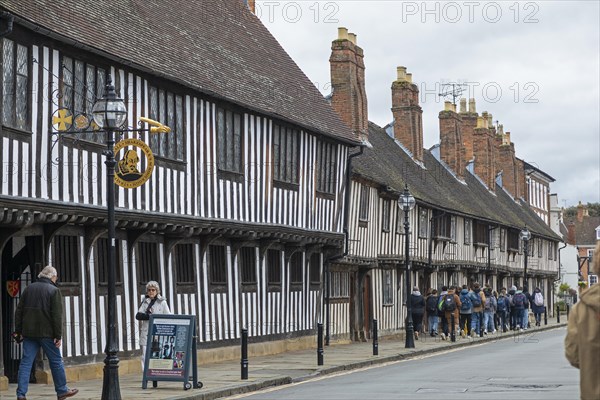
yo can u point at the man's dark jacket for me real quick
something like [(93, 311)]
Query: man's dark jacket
[(39, 312)]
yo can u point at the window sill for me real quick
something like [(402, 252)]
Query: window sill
[(325, 195), (479, 244), (16, 133), (230, 176)]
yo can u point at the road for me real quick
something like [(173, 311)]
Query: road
[(523, 367)]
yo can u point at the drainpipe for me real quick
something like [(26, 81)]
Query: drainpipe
[(346, 240), (489, 257), (5, 15), (559, 263)]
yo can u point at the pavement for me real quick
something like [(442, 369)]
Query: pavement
[(223, 379)]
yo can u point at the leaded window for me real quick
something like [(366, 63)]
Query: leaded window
[(385, 215), (15, 85), (326, 167), (81, 84), (502, 239), (423, 222), (480, 232), (363, 212), (388, 292), (167, 108), (286, 151), (229, 140), (468, 231), (339, 285)]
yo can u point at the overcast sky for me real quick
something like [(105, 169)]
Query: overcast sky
[(534, 65)]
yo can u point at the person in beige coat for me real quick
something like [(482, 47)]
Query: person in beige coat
[(582, 343)]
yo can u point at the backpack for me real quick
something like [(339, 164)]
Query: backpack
[(502, 303), (440, 305), (476, 300), (466, 303), (432, 304), (449, 303), (538, 299), (519, 300), (488, 303)]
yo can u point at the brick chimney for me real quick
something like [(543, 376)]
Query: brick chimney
[(571, 233), (582, 211), (483, 152), (468, 125), (251, 5), (506, 162), (408, 122), (349, 98), (452, 150)]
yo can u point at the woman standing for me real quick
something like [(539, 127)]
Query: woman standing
[(154, 303), (417, 303)]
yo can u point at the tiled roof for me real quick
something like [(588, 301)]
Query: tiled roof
[(585, 231), (217, 47), (387, 164)]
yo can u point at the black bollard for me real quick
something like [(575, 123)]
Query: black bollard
[(558, 313), (545, 315), (319, 344), (244, 361), (453, 330), (375, 339), (567, 312)]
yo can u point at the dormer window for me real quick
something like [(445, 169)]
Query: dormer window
[(598, 233)]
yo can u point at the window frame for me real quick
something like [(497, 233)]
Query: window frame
[(386, 209), (148, 263), (286, 155), (364, 201), (387, 287), (17, 92), (423, 222), (168, 108), (247, 264), (101, 260), (274, 269), (468, 233), (216, 258), (314, 270), (326, 169), (230, 141), (185, 275), (296, 271), (66, 258)]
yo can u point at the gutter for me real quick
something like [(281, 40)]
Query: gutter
[(346, 242)]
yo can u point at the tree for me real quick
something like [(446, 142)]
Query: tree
[(593, 209)]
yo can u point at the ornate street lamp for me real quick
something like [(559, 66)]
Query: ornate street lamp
[(110, 114), (407, 202), (525, 235)]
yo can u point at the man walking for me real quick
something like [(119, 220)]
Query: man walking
[(38, 323)]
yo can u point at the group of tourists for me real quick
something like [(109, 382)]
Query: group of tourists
[(475, 311)]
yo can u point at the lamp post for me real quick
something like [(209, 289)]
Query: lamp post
[(109, 113), (525, 235), (407, 202)]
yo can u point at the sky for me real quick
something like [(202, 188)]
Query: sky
[(534, 65)]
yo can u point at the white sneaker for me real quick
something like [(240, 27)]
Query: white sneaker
[(443, 336), (494, 332)]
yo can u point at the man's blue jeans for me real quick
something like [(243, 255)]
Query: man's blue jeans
[(31, 347), (476, 322)]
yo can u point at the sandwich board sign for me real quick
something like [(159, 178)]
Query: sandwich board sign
[(171, 350)]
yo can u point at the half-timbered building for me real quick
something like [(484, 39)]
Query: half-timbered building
[(246, 200), (470, 205)]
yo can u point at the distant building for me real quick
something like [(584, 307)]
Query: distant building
[(583, 232)]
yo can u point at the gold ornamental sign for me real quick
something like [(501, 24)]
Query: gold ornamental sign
[(127, 172)]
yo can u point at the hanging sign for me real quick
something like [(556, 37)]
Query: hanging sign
[(127, 171), (13, 288)]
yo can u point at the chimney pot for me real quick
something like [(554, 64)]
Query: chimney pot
[(352, 37), (490, 120), (448, 106), (342, 33), (481, 122), (409, 77), (472, 106), (463, 105), (506, 138), (401, 73)]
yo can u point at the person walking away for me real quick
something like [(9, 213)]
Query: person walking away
[(582, 343), (537, 305), (502, 309), (432, 310), (451, 306), (488, 312), (466, 308), (441, 313), (528, 301), (518, 305), (511, 310), (418, 309), (478, 300), (153, 303), (38, 323)]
